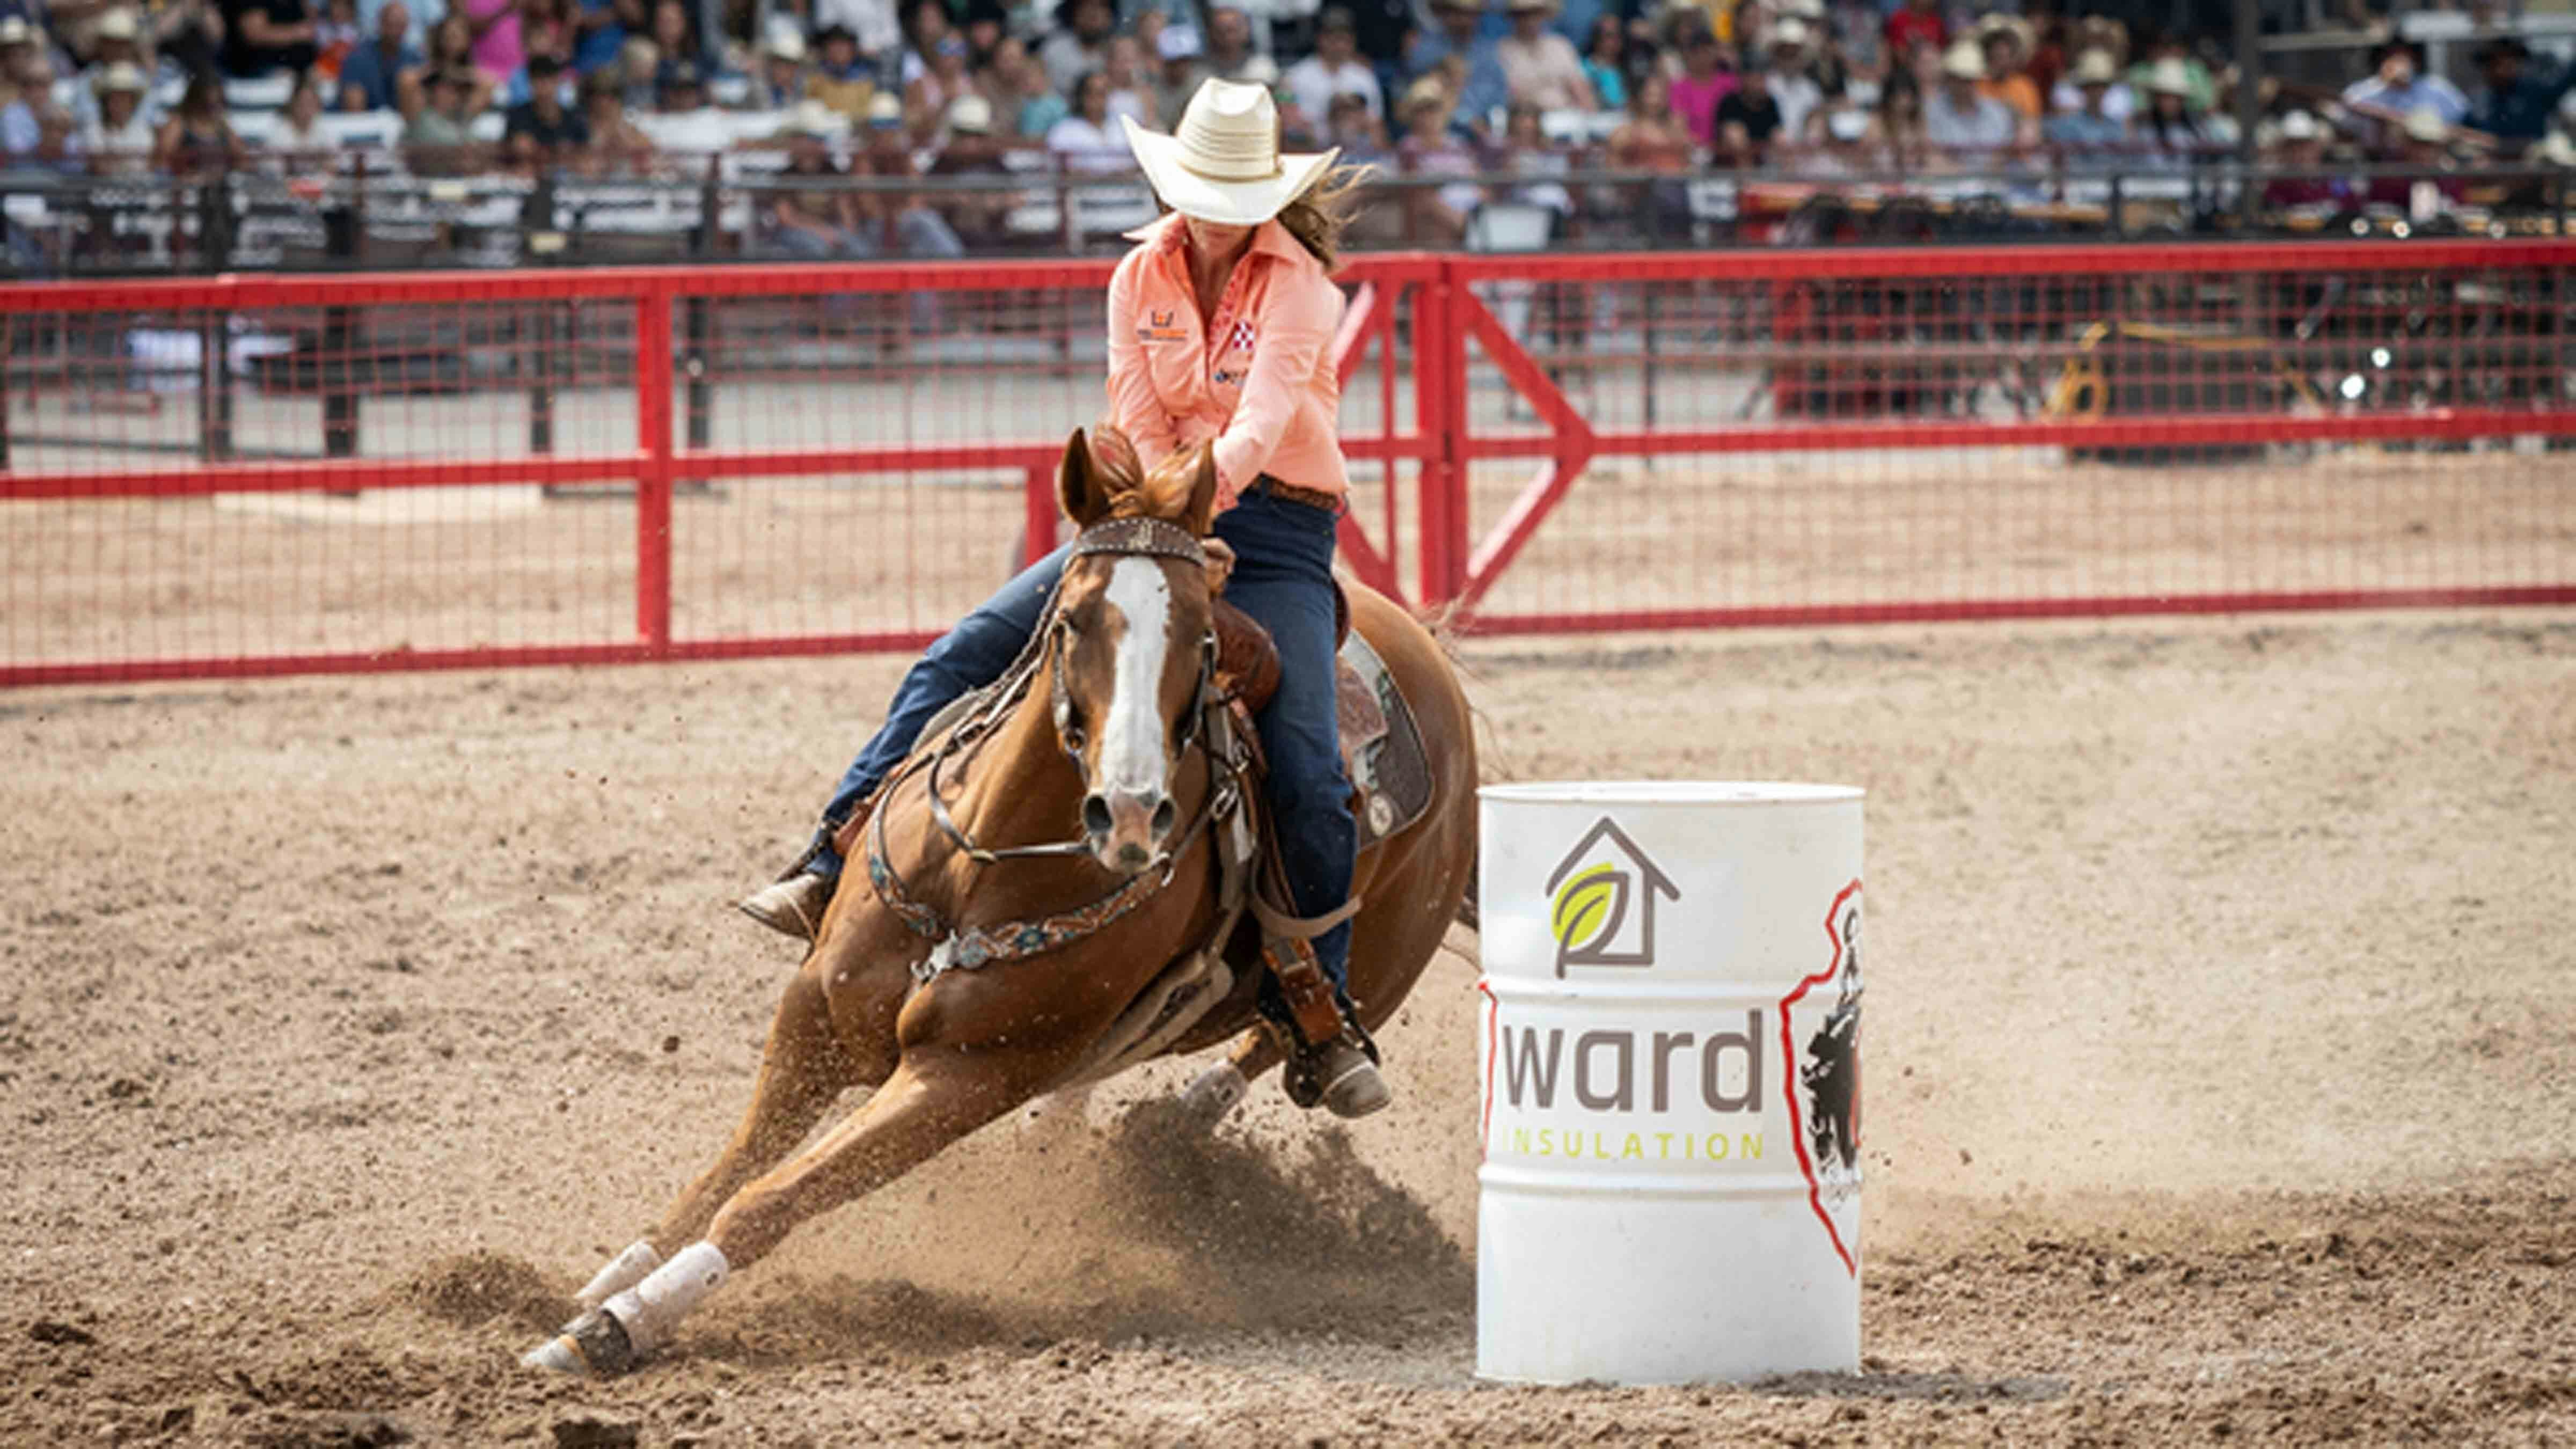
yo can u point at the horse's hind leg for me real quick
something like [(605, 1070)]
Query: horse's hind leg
[(802, 1070)]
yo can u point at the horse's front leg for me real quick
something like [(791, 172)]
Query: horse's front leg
[(934, 1098), (809, 1061)]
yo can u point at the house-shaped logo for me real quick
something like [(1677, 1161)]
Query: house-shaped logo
[(1596, 912)]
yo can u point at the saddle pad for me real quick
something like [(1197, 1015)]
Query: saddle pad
[(1381, 745)]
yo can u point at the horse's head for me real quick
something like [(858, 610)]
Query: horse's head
[(1132, 641)]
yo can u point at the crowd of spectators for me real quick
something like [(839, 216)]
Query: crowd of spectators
[(1490, 99)]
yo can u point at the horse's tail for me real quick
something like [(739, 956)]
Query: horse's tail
[(1446, 630)]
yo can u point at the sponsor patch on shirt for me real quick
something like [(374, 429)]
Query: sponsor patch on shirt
[(1240, 339), (1162, 327)]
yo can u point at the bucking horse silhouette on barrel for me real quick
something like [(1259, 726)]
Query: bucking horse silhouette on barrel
[(961, 980)]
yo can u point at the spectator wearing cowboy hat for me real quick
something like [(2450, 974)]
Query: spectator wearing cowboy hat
[(978, 218), (2302, 147), (2004, 41), (1785, 62), (116, 39), (1960, 121), (2423, 140), (806, 217), (119, 139), (2397, 88), (2088, 125), (2167, 129), (1334, 70), (2111, 39), (2517, 100), (18, 53), (1540, 67), (1431, 147), (779, 84)]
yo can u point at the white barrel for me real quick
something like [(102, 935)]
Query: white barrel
[(1670, 1053)]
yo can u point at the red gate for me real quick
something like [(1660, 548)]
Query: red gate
[(262, 474)]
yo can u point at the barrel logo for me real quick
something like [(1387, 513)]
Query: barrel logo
[(1601, 900), (1823, 1080)]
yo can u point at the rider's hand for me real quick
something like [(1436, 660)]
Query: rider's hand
[(1220, 563)]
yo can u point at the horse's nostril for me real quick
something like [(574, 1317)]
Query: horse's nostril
[(1095, 814), (1163, 816)]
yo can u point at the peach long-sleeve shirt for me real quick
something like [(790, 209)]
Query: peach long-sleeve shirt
[(1258, 378)]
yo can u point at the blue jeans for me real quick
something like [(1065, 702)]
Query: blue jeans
[(1283, 577)]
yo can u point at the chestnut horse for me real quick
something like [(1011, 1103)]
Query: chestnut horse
[(959, 982)]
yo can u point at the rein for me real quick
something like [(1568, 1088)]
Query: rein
[(973, 946)]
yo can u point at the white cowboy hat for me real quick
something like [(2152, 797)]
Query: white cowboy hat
[(815, 119), (970, 115), (2427, 126), (2300, 126), (2169, 77), (1964, 61), (1222, 163), (2556, 149), (2096, 68)]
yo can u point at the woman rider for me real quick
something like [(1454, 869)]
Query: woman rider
[(1220, 328)]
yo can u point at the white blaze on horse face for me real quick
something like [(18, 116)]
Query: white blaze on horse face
[(1131, 747)]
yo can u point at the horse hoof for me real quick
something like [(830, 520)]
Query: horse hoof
[(1215, 1093), (593, 1346)]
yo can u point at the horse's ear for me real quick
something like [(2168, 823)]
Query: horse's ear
[(1079, 486), (1200, 516)]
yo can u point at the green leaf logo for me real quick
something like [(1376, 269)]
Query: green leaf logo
[(1589, 907)]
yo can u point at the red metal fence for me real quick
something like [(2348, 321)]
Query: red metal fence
[(261, 474)]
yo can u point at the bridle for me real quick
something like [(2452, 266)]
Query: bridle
[(970, 947)]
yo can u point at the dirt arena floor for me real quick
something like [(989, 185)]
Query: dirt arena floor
[(2222, 1074)]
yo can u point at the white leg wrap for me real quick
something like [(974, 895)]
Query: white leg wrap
[(623, 1272), (649, 1310), (1215, 1093)]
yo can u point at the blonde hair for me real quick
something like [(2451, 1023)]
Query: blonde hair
[(1320, 212)]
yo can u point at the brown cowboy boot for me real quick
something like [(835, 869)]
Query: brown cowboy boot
[(793, 904)]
